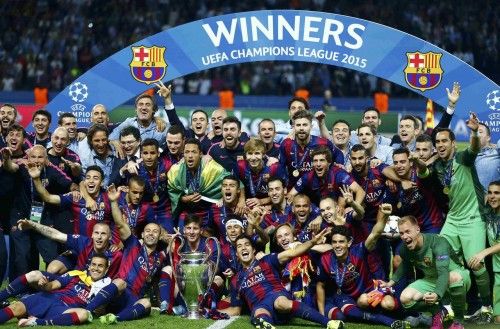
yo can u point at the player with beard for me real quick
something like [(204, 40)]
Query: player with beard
[(346, 265), (14, 137), (217, 122), (63, 300), (267, 133), (442, 271), (141, 261), (98, 115), (41, 122), (281, 212), (8, 115), (193, 242), (153, 170), (464, 227), (373, 181), (304, 212), (493, 229), (366, 135), (285, 129), (418, 201), (230, 150), (259, 286), (295, 153), (325, 180), (135, 212), (254, 173)]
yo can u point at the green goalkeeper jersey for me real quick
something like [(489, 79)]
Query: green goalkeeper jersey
[(459, 178), (435, 259)]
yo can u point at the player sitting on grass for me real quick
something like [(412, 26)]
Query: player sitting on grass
[(63, 300), (259, 285)]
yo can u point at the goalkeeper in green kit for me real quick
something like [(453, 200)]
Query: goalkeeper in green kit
[(431, 254), (464, 228)]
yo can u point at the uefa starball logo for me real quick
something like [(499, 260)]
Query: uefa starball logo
[(493, 100), (78, 92)]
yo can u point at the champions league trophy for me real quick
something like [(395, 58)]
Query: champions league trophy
[(194, 274)]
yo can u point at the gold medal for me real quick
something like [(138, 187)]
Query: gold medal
[(339, 291), (101, 206), (399, 205), (296, 173), (156, 198), (446, 190)]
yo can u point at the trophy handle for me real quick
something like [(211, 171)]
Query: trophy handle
[(171, 250), (217, 244)]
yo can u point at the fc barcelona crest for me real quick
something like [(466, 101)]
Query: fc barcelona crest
[(423, 70), (148, 64)]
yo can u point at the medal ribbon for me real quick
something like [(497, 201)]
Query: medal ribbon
[(401, 196), (149, 269), (132, 220), (194, 182), (249, 177), (339, 279), (446, 181), (298, 164)]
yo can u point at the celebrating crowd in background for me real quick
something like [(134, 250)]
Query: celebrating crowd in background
[(51, 43)]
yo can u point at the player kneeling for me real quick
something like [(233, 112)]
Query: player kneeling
[(432, 254)]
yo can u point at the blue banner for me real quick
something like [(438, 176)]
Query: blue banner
[(285, 35)]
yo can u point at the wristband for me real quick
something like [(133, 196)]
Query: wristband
[(169, 107)]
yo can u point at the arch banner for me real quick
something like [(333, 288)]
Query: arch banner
[(284, 35)]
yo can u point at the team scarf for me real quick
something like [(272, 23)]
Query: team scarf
[(211, 177)]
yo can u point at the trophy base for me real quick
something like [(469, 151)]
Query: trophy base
[(193, 315)]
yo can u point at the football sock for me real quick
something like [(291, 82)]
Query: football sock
[(305, 312), (17, 286), (133, 312)]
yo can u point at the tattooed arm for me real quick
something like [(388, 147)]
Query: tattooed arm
[(44, 230)]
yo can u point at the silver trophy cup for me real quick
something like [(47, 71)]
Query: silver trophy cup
[(194, 274)]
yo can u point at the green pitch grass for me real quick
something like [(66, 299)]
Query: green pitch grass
[(155, 320)]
